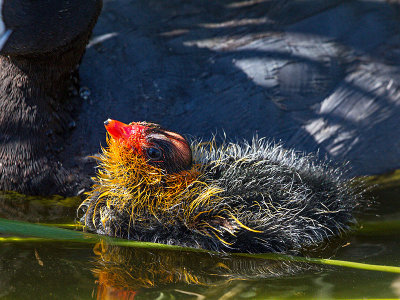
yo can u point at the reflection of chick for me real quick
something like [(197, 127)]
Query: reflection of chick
[(129, 267), (126, 269), (253, 197)]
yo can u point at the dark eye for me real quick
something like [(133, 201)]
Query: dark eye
[(154, 153)]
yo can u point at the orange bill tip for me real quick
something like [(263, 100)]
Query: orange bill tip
[(117, 130)]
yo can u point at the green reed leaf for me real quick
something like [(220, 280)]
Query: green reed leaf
[(42, 233)]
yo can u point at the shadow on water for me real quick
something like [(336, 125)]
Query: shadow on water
[(314, 74)]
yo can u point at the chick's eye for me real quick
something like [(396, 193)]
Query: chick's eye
[(154, 153)]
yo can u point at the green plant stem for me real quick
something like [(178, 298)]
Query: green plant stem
[(36, 232)]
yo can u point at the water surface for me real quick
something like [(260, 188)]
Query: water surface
[(42, 269)]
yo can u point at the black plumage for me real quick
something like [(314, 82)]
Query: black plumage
[(246, 197)]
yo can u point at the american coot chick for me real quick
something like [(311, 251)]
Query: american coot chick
[(252, 197)]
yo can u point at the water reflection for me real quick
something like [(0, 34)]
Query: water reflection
[(68, 270), (15, 206), (123, 272)]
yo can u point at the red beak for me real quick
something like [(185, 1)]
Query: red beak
[(118, 130)]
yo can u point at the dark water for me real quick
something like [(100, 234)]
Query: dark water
[(32, 269)]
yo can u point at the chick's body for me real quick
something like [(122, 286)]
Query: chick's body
[(249, 197)]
